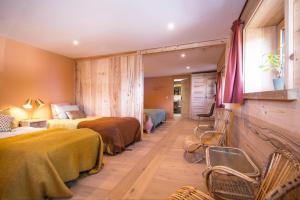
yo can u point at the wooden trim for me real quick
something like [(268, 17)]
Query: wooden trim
[(160, 49), (185, 46), (221, 63), (107, 55), (205, 72), (277, 95), (289, 43), (279, 27)]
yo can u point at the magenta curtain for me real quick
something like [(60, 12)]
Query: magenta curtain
[(234, 76), (219, 103)]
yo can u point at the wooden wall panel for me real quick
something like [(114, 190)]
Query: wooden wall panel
[(221, 63), (203, 90), (261, 126), (110, 86), (259, 134), (297, 43)]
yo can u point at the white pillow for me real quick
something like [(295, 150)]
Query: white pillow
[(61, 110)]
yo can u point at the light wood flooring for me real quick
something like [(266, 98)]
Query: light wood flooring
[(148, 170)]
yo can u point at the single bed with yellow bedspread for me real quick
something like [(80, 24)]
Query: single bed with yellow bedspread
[(37, 165)]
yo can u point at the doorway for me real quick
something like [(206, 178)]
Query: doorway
[(177, 98), (181, 97)]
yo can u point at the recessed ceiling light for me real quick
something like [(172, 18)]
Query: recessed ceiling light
[(188, 67), (171, 26), (182, 55), (75, 42)]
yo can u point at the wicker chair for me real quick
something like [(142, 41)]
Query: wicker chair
[(280, 181), (205, 136)]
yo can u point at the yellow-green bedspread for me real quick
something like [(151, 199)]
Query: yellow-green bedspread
[(36, 165)]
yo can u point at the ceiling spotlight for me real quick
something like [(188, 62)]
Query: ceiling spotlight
[(171, 26), (182, 55), (75, 42), (188, 67)]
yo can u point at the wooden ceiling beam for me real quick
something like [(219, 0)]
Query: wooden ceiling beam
[(185, 46)]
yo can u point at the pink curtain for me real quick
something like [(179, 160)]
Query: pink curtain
[(219, 103), (234, 76)]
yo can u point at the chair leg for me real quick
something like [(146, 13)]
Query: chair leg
[(199, 121), (195, 156)]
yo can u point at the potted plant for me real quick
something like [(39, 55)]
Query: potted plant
[(272, 64)]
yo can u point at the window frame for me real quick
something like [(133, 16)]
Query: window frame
[(288, 56)]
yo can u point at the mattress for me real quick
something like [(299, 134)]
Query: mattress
[(67, 123), (19, 131)]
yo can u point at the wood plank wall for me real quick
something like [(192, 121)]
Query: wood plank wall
[(297, 42), (110, 86), (262, 126)]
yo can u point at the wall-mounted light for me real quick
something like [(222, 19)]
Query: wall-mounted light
[(39, 103), (28, 104)]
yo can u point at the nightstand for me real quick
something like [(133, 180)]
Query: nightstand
[(36, 123)]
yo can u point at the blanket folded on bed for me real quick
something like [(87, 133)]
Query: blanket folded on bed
[(116, 132), (36, 165)]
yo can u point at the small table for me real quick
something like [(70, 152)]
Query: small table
[(224, 183), (36, 123), (233, 158)]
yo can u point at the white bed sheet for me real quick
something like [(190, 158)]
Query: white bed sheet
[(19, 131)]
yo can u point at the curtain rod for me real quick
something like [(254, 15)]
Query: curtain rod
[(243, 9)]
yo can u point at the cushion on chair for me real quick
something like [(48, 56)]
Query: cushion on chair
[(211, 139), (191, 143)]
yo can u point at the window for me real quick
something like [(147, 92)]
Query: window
[(265, 47)]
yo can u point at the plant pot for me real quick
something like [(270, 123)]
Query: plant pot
[(278, 83)]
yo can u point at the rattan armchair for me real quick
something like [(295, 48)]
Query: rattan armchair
[(205, 136), (280, 181)]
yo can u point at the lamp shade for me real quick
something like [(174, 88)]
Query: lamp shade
[(39, 103), (28, 104)]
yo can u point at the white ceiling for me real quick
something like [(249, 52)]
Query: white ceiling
[(110, 26), (171, 63)]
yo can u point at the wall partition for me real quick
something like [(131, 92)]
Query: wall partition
[(110, 86)]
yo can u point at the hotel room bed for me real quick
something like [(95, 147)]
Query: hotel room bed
[(36, 165), (152, 118), (116, 132)]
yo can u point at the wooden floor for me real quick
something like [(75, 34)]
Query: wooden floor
[(148, 170)]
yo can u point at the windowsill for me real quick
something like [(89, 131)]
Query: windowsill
[(276, 95)]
